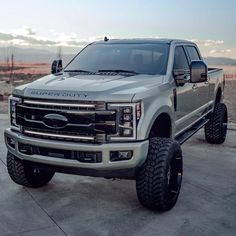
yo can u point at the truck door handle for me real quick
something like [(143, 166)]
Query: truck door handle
[(194, 87)]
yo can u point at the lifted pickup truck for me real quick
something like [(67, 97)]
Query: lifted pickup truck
[(119, 109)]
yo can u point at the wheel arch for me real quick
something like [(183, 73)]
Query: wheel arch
[(161, 111), (218, 97), (161, 126)]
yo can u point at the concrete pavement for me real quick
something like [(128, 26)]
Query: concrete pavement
[(76, 205)]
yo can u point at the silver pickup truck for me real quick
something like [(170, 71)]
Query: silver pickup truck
[(119, 109)]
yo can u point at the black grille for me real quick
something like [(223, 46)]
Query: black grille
[(88, 122)]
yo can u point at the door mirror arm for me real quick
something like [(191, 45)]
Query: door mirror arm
[(181, 77), (56, 66)]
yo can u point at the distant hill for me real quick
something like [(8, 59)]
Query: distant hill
[(34, 55), (220, 61)]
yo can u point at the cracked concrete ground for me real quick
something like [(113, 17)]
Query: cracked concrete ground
[(76, 205)]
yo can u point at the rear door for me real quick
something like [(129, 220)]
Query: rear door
[(202, 89)]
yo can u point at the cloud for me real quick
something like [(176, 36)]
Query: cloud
[(229, 52), (24, 30), (215, 48), (6, 37), (207, 42), (12, 39), (222, 51), (19, 42), (26, 36)]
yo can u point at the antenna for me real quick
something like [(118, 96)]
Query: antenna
[(106, 39)]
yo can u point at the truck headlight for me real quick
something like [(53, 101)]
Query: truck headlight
[(12, 112), (128, 115)]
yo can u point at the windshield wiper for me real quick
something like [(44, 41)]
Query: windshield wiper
[(80, 71), (119, 71)]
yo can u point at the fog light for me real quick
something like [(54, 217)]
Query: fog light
[(120, 155), (11, 142), (89, 157), (25, 148)]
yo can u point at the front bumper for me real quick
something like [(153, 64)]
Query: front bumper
[(119, 169)]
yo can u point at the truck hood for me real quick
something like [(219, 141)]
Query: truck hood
[(117, 88)]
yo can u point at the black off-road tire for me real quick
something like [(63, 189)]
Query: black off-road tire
[(159, 180), (23, 173), (216, 128)]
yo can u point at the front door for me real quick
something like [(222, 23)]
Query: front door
[(186, 94)]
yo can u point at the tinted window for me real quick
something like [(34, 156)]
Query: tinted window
[(141, 58), (180, 60), (193, 53)]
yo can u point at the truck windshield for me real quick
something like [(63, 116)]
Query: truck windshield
[(122, 58)]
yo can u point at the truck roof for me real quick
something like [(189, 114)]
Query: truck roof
[(144, 40)]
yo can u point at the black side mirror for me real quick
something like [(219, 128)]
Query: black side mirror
[(181, 76), (198, 72), (56, 66)]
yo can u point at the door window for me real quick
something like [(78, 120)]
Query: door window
[(180, 60), (193, 53)]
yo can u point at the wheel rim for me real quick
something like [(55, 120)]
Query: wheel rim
[(174, 177), (36, 172), (33, 172)]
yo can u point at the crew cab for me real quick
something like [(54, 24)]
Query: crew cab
[(119, 109)]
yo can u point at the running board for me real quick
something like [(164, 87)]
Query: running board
[(183, 137)]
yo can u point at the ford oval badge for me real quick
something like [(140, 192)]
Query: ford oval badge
[(55, 121)]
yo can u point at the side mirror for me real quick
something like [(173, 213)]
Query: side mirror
[(181, 76), (198, 72), (56, 66)]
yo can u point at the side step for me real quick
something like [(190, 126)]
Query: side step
[(183, 137)]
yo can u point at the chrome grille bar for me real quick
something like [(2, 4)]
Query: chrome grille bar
[(59, 135), (59, 104), (70, 111)]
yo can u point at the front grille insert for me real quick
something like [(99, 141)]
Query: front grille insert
[(82, 122), (81, 156)]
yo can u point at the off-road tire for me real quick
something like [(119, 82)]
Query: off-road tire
[(216, 128), (23, 173), (159, 180)]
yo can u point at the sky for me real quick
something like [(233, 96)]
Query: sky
[(71, 24)]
